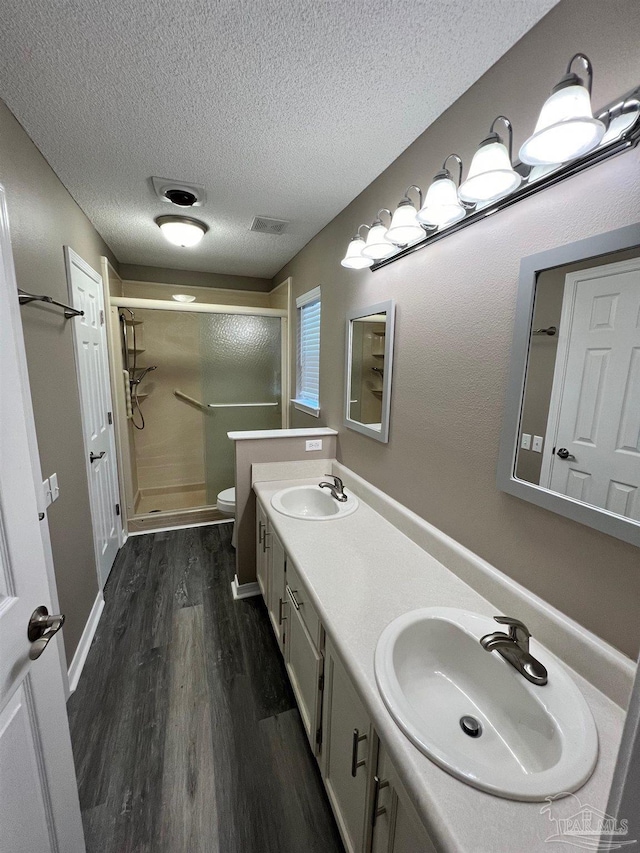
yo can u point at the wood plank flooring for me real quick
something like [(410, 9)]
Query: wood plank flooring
[(185, 732)]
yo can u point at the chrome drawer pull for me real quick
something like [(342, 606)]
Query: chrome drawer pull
[(357, 739)]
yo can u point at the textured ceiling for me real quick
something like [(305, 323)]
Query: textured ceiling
[(283, 108)]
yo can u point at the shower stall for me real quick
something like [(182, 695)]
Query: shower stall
[(188, 375)]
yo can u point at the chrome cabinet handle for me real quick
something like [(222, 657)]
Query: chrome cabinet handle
[(292, 595), (357, 739), (93, 456), (563, 453), (281, 616), (265, 547), (260, 532), (41, 629), (378, 811)]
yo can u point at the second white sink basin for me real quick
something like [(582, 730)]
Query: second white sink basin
[(535, 741), (312, 503)]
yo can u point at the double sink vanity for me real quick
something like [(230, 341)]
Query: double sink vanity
[(400, 673)]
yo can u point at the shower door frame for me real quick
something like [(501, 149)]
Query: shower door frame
[(134, 303)]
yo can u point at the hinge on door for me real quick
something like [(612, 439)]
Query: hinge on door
[(117, 509), (102, 318), (110, 417), (319, 738), (321, 683)]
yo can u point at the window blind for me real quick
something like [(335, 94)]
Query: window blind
[(308, 377)]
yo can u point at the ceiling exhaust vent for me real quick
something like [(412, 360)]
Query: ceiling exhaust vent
[(266, 225), (179, 193)]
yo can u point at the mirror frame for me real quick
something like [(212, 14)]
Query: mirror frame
[(389, 308), (600, 519)]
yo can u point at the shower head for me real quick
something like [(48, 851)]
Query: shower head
[(138, 379)]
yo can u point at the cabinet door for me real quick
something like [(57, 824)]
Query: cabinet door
[(276, 601), (304, 666), (262, 552), (347, 751), (396, 826)]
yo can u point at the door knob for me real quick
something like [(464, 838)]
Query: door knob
[(563, 453), (93, 456), (41, 628)]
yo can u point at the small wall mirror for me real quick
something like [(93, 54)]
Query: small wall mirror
[(571, 436), (369, 365)]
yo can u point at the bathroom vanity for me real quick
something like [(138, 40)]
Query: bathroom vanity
[(331, 587)]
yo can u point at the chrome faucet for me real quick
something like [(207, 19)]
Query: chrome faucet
[(336, 488), (514, 648)]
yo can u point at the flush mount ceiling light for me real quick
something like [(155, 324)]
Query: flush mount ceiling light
[(183, 297), (377, 245), (442, 206), (494, 183), (566, 128), (181, 230), (491, 174), (354, 259), (405, 228)]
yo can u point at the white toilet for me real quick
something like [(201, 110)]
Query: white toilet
[(226, 503)]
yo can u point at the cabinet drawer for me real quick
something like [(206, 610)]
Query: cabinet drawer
[(304, 667), (301, 601)]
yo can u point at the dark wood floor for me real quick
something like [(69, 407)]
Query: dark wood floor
[(185, 732)]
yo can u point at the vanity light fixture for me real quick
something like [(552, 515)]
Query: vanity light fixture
[(183, 297), (181, 230), (354, 259), (442, 206), (566, 128), (405, 227), (494, 183), (377, 245), (491, 174)]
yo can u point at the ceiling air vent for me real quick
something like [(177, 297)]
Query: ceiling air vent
[(178, 192), (266, 225)]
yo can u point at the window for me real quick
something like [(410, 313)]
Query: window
[(308, 357)]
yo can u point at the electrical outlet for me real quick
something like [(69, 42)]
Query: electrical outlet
[(525, 444), (313, 444), (537, 443)]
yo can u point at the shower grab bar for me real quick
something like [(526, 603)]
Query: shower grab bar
[(237, 405), (194, 402), (189, 399)]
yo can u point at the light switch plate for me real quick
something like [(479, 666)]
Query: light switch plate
[(55, 488), (46, 489), (537, 443), (313, 444), (525, 443)]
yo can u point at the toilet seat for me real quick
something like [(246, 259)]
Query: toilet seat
[(226, 501)]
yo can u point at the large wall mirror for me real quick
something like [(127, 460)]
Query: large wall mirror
[(369, 365), (571, 435)]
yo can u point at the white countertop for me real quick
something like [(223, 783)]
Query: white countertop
[(361, 573)]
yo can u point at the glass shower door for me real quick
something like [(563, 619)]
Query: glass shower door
[(241, 386)]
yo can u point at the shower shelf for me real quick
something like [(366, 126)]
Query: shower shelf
[(237, 405)]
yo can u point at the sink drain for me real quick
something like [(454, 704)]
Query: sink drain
[(470, 726)]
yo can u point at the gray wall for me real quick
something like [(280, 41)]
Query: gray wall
[(137, 272), (456, 303), (43, 218)]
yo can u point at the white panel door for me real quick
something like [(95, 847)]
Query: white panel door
[(39, 807), (595, 404), (92, 362)]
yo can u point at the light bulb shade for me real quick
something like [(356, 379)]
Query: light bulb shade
[(441, 206), (491, 175), (181, 231), (354, 259), (377, 246), (183, 297), (565, 130), (405, 228)]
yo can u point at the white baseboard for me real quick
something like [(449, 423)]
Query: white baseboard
[(244, 590), (80, 656)]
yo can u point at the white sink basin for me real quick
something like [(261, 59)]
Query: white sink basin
[(312, 503), (536, 741)]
